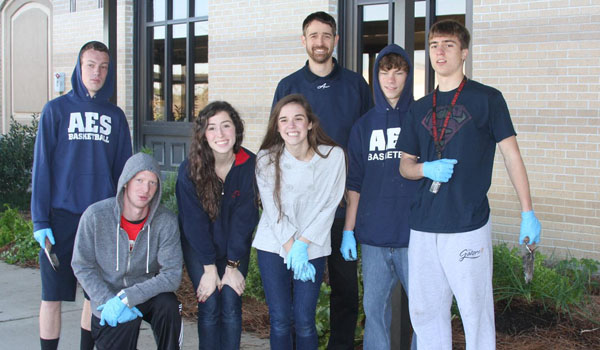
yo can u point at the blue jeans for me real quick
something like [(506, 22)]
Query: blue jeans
[(292, 303), (220, 316), (382, 268)]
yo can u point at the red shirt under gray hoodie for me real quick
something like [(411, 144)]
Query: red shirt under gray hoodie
[(102, 261)]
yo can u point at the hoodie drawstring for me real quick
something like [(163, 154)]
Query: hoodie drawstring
[(148, 250), (117, 247)]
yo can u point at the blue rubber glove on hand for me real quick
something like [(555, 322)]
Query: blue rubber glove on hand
[(439, 170), (297, 255), (305, 273), (348, 247), (40, 236), (111, 311), (129, 315), (530, 227)]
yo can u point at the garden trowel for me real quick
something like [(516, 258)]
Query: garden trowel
[(528, 261), (51, 256)]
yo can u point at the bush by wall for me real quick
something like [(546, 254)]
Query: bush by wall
[(16, 161), (16, 238), (561, 287)]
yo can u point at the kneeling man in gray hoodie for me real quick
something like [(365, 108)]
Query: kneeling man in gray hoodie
[(127, 256)]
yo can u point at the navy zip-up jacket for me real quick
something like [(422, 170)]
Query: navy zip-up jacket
[(338, 99), (81, 147), (385, 196), (229, 236)]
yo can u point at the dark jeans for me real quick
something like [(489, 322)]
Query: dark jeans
[(343, 304), (220, 316), (292, 303), (163, 312)]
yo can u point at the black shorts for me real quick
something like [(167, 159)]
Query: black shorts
[(60, 285)]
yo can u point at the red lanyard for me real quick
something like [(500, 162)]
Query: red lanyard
[(438, 140)]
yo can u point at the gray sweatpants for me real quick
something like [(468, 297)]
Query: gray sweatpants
[(441, 265)]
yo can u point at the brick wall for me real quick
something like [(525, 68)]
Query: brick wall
[(252, 45), (70, 31), (125, 88), (544, 57)]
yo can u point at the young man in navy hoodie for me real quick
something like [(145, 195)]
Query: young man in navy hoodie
[(82, 143), (449, 140), (378, 196), (338, 97)]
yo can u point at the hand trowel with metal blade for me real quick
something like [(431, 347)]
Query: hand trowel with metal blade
[(51, 256), (528, 261)]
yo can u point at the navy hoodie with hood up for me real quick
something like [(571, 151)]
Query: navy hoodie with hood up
[(373, 170), (81, 147)]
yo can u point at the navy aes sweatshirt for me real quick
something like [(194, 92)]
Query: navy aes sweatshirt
[(81, 147), (374, 161)]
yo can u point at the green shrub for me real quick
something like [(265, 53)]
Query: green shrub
[(254, 286), (16, 161), (562, 288), (17, 233), (169, 198), (146, 150), (322, 316)]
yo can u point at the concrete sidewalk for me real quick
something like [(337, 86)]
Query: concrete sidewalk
[(20, 290)]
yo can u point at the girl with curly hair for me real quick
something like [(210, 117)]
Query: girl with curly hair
[(216, 198)]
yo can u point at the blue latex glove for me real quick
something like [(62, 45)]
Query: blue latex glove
[(297, 256), (40, 236), (348, 247), (111, 311), (530, 227), (305, 273), (129, 315), (439, 170)]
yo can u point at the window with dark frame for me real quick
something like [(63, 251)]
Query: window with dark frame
[(73, 6), (374, 23), (177, 50)]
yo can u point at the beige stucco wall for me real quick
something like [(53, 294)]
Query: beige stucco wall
[(543, 56), (25, 26)]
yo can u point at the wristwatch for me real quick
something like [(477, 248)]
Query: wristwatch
[(123, 297), (233, 264)]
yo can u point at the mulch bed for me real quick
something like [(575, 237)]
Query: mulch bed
[(529, 327), (521, 327)]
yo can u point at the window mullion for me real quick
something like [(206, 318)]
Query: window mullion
[(430, 19), (189, 75), (168, 82)]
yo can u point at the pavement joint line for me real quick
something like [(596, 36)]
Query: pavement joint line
[(19, 319)]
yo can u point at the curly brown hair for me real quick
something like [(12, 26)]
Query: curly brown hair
[(202, 160)]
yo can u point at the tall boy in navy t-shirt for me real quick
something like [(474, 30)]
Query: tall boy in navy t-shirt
[(450, 138)]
